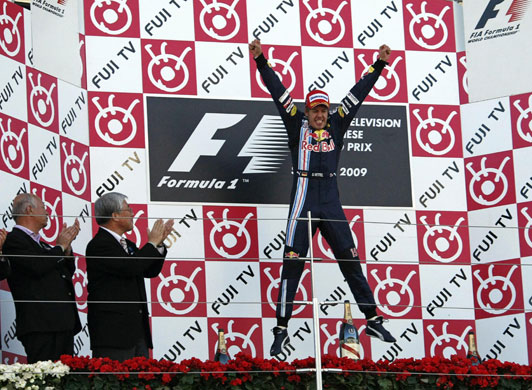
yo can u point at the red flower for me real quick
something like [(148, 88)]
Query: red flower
[(294, 378), (450, 372)]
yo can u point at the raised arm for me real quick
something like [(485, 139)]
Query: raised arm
[(280, 95), (255, 48), (353, 100), (384, 53)]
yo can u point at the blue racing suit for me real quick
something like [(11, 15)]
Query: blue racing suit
[(315, 154)]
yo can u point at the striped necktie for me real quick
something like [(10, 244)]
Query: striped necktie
[(44, 245), (123, 242)]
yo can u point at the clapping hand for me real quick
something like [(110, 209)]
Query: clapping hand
[(159, 231), (67, 235), (3, 235)]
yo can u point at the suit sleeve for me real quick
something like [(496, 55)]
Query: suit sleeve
[(106, 257), (290, 115), (70, 265), (34, 263), (5, 267), (351, 103), (156, 265)]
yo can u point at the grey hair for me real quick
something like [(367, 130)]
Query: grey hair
[(21, 203), (106, 205)]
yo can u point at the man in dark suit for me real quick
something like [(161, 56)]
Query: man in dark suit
[(118, 320), (41, 282)]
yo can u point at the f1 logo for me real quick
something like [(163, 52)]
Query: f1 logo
[(516, 11), (489, 13), (201, 143)]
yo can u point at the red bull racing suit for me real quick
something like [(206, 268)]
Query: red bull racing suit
[(315, 154)]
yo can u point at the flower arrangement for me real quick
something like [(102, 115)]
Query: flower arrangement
[(41, 375), (245, 372)]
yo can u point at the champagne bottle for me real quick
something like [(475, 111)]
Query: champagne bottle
[(221, 351), (472, 352), (349, 342)]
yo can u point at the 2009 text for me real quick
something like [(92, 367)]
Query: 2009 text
[(353, 172)]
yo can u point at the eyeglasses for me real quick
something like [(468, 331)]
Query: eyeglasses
[(127, 209)]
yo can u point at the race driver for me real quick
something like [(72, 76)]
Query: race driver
[(315, 139)]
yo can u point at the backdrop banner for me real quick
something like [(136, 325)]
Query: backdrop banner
[(56, 46), (497, 36)]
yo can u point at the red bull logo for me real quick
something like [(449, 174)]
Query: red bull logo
[(322, 146), (291, 255), (320, 135)]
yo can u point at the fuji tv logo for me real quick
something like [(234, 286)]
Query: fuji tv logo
[(10, 36), (219, 20), (282, 67), (325, 25), (111, 17)]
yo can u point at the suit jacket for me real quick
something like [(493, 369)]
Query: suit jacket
[(116, 276), (5, 267), (41, 279)]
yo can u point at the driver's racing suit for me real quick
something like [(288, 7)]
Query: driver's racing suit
[(315, 154)]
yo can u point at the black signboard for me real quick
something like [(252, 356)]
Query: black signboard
[(234, 151)]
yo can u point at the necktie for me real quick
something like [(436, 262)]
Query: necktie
[(44, 245), (124, 244)]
